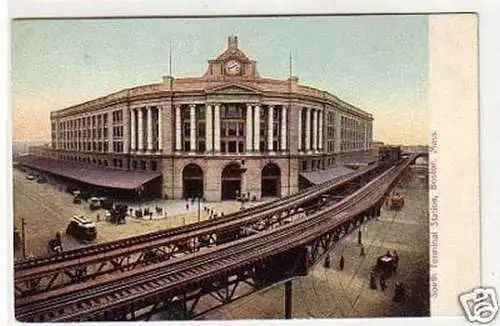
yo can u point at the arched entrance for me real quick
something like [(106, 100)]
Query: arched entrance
[(192, 181), (271, 181), (231, 181)]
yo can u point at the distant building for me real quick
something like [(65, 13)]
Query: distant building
[(376, 145), (227, 132)]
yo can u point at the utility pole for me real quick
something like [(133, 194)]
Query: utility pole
[(23, 224)]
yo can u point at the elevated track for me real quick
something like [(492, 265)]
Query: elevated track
[(257, 260), (47, 273)]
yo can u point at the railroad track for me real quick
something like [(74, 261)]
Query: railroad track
[(80, 300), (49, 265)]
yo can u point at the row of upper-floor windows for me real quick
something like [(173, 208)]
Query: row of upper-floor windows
[(232, 111), (97, 120), (114, 162), (229, 146), (94, 146), (228, 129), (353, 145), (308, 165)]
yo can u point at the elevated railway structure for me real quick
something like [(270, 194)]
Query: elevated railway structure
[(258, 261), (75, 266)]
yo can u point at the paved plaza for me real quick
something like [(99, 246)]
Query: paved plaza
[(47, 209)]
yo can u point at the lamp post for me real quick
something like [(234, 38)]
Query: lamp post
[(199, 208), (242, 194)]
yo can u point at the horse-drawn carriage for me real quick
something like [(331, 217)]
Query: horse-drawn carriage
[(397, 202)]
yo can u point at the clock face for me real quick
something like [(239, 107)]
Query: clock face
[(233, 67)]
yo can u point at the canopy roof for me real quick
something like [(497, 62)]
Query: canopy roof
[(318, 177), (98, 176)]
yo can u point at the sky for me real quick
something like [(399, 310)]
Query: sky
[(377, 63)]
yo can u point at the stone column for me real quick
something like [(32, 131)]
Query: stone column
[(178, 129), (315, 131), (337, 134), (299, 130), (270, 122), (160, 128), (140, 139), (256, 129), (132, 130), (110, 132), (308, 130), (320, 130), (217, 128), (192, 127), (126, 130), (150, 128), (248, 129), (208, 128), (283, 128)]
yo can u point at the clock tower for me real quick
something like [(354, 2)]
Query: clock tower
[(231, 64)]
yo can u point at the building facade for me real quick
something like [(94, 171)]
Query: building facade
[(227, 132)]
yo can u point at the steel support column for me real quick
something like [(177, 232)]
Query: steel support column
[(288, 300)]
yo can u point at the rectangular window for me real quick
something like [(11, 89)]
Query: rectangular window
[(187, 129), (304, 165), (223, 146), (201, 129), (185, 114), (143, 165), (240, 147), (201, 146), (186, 145), (232, 129), (232, 147), (241, 129), (154, 165)]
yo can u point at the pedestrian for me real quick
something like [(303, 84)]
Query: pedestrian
[(396, 258), (383, 285), (341, 263), (362, 251), (98, 217), (399, 292), (359, 236), (327, 261), (373, 282), (187, 206)]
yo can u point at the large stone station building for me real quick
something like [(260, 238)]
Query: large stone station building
[(227, 132)]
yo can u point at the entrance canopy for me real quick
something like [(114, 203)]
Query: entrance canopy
[(97, 176), (319, 177)]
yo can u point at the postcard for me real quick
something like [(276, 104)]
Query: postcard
[(246, 167)]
